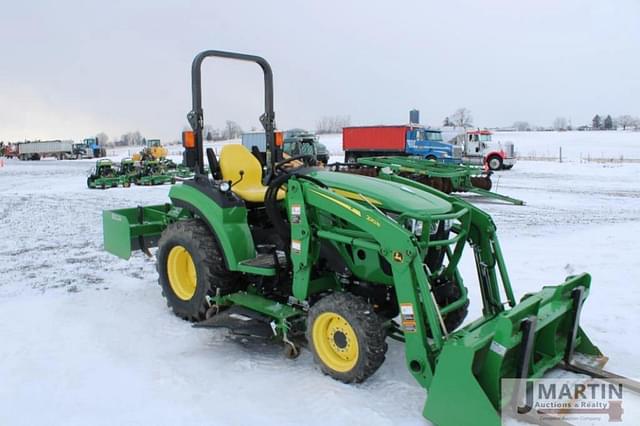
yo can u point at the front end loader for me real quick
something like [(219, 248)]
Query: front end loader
[(341, 262)]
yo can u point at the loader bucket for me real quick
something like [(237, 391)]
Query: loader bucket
[(125, 230), (522, 342)]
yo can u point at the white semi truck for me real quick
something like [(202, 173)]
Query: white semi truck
[(478, 148), (35, 150)]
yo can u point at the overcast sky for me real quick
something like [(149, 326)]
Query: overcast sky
[(72, 69)]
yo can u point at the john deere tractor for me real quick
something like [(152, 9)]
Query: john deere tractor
[(341, 262), (105, 175)]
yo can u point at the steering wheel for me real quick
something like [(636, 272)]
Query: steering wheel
[(309, 157)]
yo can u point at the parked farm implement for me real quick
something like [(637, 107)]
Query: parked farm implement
[(129, 169), (447, 178), (106, 175), (329, 258), (149, 172), (154, 172)]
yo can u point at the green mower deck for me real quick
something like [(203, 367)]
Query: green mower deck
[(104, 175), (154, 172)]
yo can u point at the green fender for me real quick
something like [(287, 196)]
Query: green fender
[(229, 224)]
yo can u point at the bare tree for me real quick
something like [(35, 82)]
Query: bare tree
[(522, 126), (102, 138), (625, 121), (332, 124), (462, 118), (232, 130), (209, 132), (560, 123), (132, 138)]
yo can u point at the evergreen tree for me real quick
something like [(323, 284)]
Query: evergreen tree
[(596, 122), (608, 123)]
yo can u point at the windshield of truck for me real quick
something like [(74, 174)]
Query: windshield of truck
[(307, 148), (290, 148), (433, 136), (484, 138)]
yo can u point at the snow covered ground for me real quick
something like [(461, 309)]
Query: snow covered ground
[(87, 338)]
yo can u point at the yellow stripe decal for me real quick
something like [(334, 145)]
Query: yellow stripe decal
[(341, 204), (355, 196)]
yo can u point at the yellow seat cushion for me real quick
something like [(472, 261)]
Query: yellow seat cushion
[(235, 157)]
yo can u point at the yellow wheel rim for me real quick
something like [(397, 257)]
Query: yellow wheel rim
[(335, 342), (182, 273)]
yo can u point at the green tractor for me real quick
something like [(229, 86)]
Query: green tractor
[(341, 262), (105, 175), (154, 172)]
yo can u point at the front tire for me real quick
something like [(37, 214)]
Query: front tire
[(346, 336), (494, 162), (191, 268)]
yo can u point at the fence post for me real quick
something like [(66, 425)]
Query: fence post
[(561, 154)]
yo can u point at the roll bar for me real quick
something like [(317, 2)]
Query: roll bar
[(196, 115)]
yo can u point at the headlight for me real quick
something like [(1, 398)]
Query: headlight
[(433, 228), (448, 224), (225, 186), (415, 226)]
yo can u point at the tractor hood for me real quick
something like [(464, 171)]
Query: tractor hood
[(383, 194)]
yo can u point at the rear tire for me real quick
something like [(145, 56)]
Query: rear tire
[(431, 157), (346, 337), (191, 268)]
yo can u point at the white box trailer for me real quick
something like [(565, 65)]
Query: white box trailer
[(35, 150)]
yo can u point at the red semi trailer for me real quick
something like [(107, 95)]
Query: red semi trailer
[(374, 141)]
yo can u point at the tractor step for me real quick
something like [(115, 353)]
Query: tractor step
[(262, 264), (261, 261), (240, 321)]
